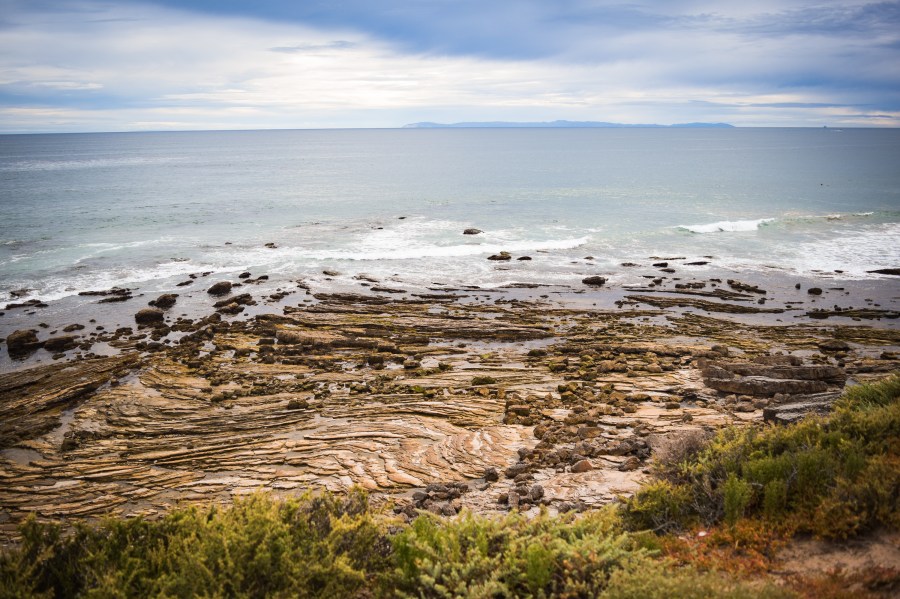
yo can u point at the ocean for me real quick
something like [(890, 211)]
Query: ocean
[(83, 212)]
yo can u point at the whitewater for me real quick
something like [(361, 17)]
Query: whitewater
[(146, 210)]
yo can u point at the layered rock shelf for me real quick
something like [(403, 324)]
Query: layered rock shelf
[(431, 402)]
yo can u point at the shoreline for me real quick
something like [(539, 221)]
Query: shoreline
[(563, 394), (772, 297)]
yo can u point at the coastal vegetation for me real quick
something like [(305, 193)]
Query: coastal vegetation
[(707, 525)]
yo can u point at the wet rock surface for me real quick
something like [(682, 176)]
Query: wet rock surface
[(434, 402)]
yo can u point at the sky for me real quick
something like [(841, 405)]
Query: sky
[(128, 65)]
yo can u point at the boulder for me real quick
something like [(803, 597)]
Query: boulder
[(814, 291), (472, 231), (594, 281), (491, 474), (165, 301), (833, 345), (61, 343), (149, 317), (500, 256), (220, 288), (21, 343)]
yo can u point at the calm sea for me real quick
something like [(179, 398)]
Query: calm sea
[(90, 211)]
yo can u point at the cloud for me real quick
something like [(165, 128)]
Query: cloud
[(84, 65)]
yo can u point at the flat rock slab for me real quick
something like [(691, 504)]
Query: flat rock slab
[(759, 386), (792, 412)]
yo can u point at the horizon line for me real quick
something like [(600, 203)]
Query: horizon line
[(407, 128)]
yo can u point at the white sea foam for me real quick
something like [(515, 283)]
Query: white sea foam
[(853, 252), (727, 226), (386, 252)]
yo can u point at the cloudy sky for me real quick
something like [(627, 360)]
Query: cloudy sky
[(87, 65)]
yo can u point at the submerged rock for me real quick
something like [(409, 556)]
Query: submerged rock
[(594, 281), (886, 271)]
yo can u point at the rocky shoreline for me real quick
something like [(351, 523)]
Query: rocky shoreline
[(438, 399)]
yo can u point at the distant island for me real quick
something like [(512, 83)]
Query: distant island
[(563, 125)]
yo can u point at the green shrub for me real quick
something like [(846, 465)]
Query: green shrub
[(483, 380), (837, 473), (658, 580), (513, 556), (737, 495), (259, 547)]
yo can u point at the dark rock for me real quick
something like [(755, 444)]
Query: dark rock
[(244, 275), (149, 316), (472, 231), (491, 474), (220, 288), (165, 301), (536, 493), (516, 469), (244, 299), (886, 271), (524, 258), (113, 291), (833, 345), (21, 343), (73, 327), (297, 404), (594, 281), (331, 273), (500, 256), (766, 387), (814, 291), (116, 298), (61, 344)]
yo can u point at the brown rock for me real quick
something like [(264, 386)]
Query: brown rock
[(20, 343), (582, 466), (61, 343), (834, 345), (149, 316), (220, 288), (632, 463), (165, 301)]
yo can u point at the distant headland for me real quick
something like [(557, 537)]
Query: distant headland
[(562, 125)]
